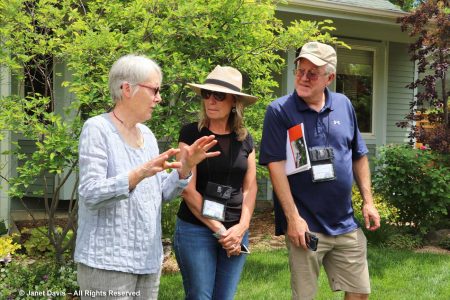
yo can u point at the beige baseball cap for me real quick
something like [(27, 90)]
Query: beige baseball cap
[(318, 53)]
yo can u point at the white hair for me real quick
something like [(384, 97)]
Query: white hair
[(329, 69), (133, 69)]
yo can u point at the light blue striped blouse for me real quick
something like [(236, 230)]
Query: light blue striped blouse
[(118, 229)]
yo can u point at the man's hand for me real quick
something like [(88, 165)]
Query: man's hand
[(370, 213), (296, 231)]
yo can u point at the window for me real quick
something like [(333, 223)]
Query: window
[(354, 78)]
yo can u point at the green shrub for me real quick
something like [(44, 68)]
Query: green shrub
[(415, 182), (169, 217), (388, 215), (7, 246), (38, 243), (401, 241), (20, 276), (445, 243)]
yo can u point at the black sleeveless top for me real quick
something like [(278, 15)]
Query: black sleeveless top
[(229, 168)]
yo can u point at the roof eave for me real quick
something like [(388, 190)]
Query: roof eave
[(343, 9)]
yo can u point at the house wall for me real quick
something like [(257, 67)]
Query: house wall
[(5, 145), (401, 72)]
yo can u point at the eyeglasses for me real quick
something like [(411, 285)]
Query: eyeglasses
[(219, 96), (310, 75), (155, 90)]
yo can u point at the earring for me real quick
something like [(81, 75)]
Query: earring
[(233, 110)]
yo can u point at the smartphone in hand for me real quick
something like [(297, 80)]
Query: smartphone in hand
[(311, 241), (244, 249)]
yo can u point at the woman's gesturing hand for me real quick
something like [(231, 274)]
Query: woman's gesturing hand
[(191, 155)]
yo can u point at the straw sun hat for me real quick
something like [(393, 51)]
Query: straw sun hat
[(225, 80)]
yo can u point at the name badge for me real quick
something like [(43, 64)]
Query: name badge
[(213, 210), (322, 167), (214, 200), (323, 172)]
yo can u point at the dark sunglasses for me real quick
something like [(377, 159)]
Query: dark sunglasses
[(219, 96)]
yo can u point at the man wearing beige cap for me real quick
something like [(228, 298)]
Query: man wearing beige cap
[(313, 207)]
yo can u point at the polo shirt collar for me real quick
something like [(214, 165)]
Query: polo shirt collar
[(301, 105)]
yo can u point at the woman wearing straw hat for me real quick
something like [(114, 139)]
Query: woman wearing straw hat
[(211, 234), (122, 184)]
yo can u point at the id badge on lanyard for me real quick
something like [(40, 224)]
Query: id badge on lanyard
[(322, 166), (215, 200)]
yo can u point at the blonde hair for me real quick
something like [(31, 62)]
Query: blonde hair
[(235, 120)]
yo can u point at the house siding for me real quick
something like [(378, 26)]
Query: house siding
[(5, 145), (401, 72)]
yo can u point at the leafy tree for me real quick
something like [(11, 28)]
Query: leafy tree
[(187, 38), (406, 5), (430, 23)]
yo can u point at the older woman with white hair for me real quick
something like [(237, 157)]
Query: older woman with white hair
[(211, 235), (122, 183)]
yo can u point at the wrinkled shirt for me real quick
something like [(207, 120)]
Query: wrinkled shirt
[(119, 229)]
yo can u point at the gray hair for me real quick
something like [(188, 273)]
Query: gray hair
[(329, 69), (133, 69)]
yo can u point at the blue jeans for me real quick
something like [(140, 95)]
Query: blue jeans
[(207, 271)]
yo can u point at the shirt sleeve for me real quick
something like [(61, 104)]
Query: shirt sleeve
[(95, 189), (273, 142), (172, 185)]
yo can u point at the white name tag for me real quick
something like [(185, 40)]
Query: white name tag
[(323, 172), (213, 210)]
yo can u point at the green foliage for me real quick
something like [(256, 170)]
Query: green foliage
[(21, 277), (169, 217), (404, 241), (415, 182), (388, 216), (83, 38), (445, 243), (386, 210), (7, 246), (38, 242)]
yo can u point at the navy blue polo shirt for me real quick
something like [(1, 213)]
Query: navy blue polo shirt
[(326, 206)]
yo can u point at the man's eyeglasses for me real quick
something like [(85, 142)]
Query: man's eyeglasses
[(310, 75), (155, 90), (219, 96)]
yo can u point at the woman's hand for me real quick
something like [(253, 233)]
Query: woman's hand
[(232, 238), (153, 166), (192, 155)]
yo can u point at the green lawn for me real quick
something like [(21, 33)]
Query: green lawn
[(395, 275)]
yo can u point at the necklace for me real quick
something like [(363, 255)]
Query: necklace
[(139, 140), (117, 117)]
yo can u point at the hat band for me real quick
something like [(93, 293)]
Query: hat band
[(223, 83)]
